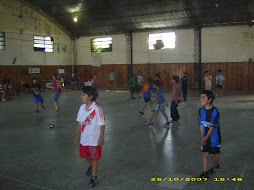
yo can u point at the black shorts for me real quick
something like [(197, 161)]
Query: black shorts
[(219, 86), (132, 89), (211, 150), (147, 99), (138, 88)]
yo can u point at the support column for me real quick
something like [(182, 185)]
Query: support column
[(75, 57), (197, 57), (129, 56)]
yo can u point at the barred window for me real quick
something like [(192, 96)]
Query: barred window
[(162, 40), (42, 43), (101, 44), (2, 41)]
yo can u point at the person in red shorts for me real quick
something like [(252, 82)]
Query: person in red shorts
[(91, 124)]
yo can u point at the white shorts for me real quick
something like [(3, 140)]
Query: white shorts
[(159, 107)]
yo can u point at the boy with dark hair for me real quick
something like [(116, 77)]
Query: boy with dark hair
[(184, 81), (132, 84), (91, 124), (147, 87), (36, 90), (176, 98), (209, 121), (56, 86), (160, 107), (139, 80), (219, 79), (158, 77)]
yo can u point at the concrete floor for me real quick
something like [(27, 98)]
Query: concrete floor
[(34, 157)]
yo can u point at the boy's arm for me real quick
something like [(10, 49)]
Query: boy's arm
[(77, 133), (101, 139), (36, 91), (165, 100), (203, 140)]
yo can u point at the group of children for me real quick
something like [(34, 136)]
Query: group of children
[(6, 90), (219, 81), (135, 83)]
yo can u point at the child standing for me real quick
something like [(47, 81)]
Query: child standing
[(3, 92), (56, 86), (132, 84), (95, 83), (112, 78), (160, 107), (184, 86), (219, 79), (147, 87), (91, 124), (139, 80), (208, 81), (176, 97), (209, 121), (36, 90), (158, 77)]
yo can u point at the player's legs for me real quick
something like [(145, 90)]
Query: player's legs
[(36, 106), (205, 161), (56, 105), (145, 106), (89, 160), (94, 167), (151, 104), (154, 116), (214, 159), (165, 115)]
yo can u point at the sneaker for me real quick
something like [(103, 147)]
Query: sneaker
[(167, 125), (141, 112), (89, 171), (3, 100), (37, 111), (57, 111), (214, 169), (204, 175), (43, 107), (93, 181), (150, 124)]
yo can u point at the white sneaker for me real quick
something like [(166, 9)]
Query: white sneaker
[(149, 124), (3, 100)]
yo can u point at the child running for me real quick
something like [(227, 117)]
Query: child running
[(56, 86), (209, 121), (147, 87), (91, 124), (160, 107), (36, 90)]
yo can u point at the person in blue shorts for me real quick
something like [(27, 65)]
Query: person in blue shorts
[(56, 86), (36, 90), (209, 121), (160, 107), (147, 87)]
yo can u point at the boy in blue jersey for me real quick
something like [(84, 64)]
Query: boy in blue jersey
[(56, 86), (160, 107), (147, 87), (209, 121)]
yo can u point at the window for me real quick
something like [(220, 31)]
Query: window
[(2, 41), (101, 44), (162, 40), (42, 43)]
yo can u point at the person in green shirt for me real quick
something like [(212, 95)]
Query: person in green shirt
[(132, 84)]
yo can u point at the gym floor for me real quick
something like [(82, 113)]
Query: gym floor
[(35, 157)]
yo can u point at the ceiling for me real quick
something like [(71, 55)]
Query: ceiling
[(101, 17)]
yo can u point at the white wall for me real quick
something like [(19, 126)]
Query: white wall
[(183, 53), (20, 24), (117, 56), (227, 44)]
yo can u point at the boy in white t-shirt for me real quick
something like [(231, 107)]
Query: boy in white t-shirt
[(208, 81), (91, 124)]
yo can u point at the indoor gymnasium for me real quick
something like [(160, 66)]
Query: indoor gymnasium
[(126, 95)]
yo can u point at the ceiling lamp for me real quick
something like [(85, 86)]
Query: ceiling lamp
[(75, 19)]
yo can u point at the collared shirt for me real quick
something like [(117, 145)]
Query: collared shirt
[(90, 122)]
